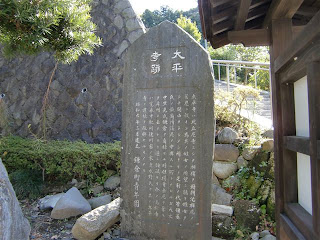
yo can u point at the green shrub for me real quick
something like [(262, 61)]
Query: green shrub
[(60, 161), (27, 183)]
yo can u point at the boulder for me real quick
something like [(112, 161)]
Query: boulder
[(264, 233), (247, 214), (254, 236), (13, 225), (241, 162), (253, 184), (112, 183), (220, 196), (215, 180), (271, 202), (222, 210), (264, 191), (261, 163), (222, 226), (268, 134), (226, 152), (50, 201), (227, 135), (232, 182), (94, 223), (71, 204), (224, 170), (267, 145), (97, 190), (268, 237), (99, 201), (250, 152)]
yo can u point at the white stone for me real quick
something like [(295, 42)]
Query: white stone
[(220, 196), (250, 152), (118, 22), (133, 24), (267, 145), (94, 223), (133, 36), (227, 135), (71, 204), (222, 210), (268, 237), (224, 170), (50, 201), (128, 13), (264, 233), (226, 152), (241, 162), (254, 236), (112, 183), (99, 201), (121, 5), (105, 2), (123, 46)]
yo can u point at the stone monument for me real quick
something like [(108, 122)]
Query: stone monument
[(168, 137)]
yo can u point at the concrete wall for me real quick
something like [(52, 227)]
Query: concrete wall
[(86, 97)]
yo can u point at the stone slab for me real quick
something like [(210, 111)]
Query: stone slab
[(168, 137)]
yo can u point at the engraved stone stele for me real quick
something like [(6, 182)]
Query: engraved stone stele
[(168, 138)]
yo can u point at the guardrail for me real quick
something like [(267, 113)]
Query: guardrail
[(255, 66)]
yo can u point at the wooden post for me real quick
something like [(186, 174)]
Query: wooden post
[(314, 124), (283, 122), (219, 72)]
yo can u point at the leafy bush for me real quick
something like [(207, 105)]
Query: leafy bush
[(60, 161), (228, 106)]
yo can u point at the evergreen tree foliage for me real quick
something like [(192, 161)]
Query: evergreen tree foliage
[(190, 27), (60, 26)]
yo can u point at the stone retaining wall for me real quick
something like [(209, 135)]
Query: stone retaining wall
[(86, 97)]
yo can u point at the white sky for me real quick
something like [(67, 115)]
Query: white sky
[(140, 5)]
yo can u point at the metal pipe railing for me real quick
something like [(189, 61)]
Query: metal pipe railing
[(255, 66)]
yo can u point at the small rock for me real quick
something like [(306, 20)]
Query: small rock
[(128, 13), (247, 214), (241, 162), (97, 190), (99, 201), (133, 36), (123, 46), (220, 196), (50, 201), (254, 236), (71, 204), (224, 170), (74, 181), (267, 145), (106, 235), (94, 223), (232, 182), (118, 22), (112, 183), (227, 135), (222, 226), (264, 233), (133, 24), (250, 152), (121, 5), (215, 180), (226, 152), (268, 237), (222, 210), (268, 134)]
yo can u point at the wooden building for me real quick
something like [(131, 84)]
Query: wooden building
[(292, 30)]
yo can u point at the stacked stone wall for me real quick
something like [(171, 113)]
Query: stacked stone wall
[(85, 100)]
